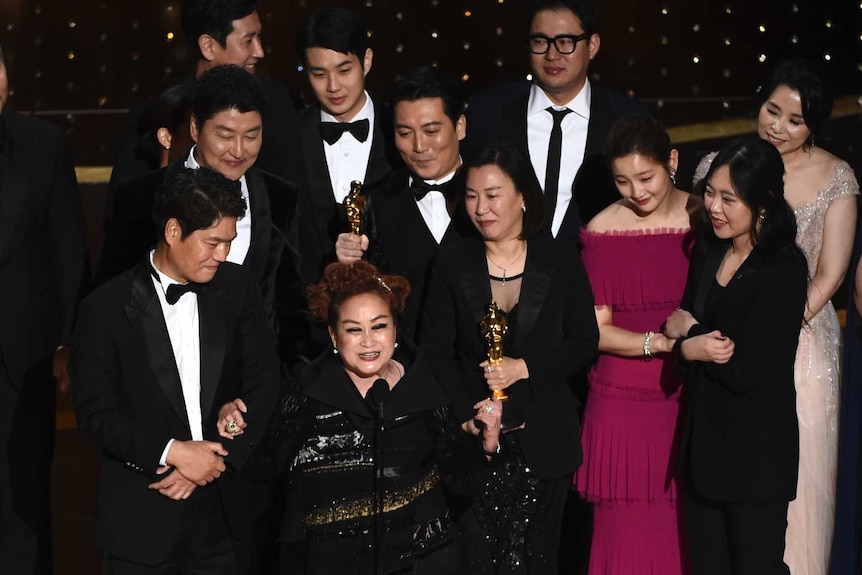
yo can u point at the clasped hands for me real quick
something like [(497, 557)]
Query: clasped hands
[(713, 347), (196, 463)]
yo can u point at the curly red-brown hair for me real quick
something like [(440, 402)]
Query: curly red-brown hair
[(341, 282)]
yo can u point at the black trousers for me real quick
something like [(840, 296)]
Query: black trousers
[(735, 539), (204, 543), (27, 426)]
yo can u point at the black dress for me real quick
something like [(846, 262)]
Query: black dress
[(323, 436)]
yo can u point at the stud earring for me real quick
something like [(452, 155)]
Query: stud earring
[(334, 351)]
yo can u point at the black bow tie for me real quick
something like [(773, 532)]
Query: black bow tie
[(421, 188), (176, 291), (332, 131)]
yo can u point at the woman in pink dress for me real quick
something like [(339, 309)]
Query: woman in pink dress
[(636, 253)]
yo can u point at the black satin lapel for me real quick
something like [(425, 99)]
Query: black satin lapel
[(378, 167), (261, 224), (213, 341), (148, 324), (15, 163), (534, 288), (707, 276), (319, 186), (474, 281), (598, 126), (516, 131), (744, 275)]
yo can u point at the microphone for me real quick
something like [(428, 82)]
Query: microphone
[(378, 393)]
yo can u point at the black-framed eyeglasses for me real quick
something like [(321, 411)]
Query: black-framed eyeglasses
[(564, 43)]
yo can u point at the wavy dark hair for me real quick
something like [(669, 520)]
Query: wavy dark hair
[(197, 199), (333, 28), (515, 165), (427, 81), (226, 87), (214, 18), (341, 282), (757, 175)]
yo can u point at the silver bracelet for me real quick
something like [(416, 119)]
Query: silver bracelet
[(648, 345)]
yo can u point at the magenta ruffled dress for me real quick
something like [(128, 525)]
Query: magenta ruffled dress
[(632, 407)]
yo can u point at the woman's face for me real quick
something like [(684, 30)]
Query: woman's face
[(642, 182), (493, 203), (729, 215), (364, 335), (780, 120)]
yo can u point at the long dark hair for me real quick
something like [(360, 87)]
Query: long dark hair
[(757, 175)]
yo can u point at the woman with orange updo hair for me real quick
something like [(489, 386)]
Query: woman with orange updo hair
[(323, 437)]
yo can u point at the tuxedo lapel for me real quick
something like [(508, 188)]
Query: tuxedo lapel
[(474, 280), (213, 341), (15, 163), (378, 167), (538, 272), (599, 124), (515, 130), (317, 181), (145, 316), (261, 224)]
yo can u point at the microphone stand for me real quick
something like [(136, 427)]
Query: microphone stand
[(378, 393)]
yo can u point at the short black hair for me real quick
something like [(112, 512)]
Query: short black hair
[(213, 18), (429, 82), (639, 134), (517, 166), (227, 87), (170, 110), (197, 199), (808, 79), (335, 29), (585, 10)]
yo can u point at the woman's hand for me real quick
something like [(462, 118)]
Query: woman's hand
[(502, 375), (678, 324), (490, 413), (230, 417), (713, 347), (349, 248)]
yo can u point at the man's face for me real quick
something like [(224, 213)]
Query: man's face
[(229, 142), (242, 46), (4, 85), (426, 138), (197, 257), (338, 81), (561, 76)]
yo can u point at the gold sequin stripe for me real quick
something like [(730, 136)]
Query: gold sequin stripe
[(365, 507)]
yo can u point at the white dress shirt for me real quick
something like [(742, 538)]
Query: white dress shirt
[(574, 127), (240, 245), (184, 331), (433, 207), (347, 159)]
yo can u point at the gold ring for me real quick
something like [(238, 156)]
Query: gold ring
[(231, 426)]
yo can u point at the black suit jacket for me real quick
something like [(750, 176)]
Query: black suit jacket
[(740, 440), (128, 397), (276, 153), (42, 247), (322, 218), (500, 114), (272, 259), (556, 334), (401, 243)]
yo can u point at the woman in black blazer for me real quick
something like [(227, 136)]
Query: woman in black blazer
[(738, 328), (543, 289)]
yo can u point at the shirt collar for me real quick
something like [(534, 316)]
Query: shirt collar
[(164, 280), (448, 177), (192, 164), (580, 104), (367, 112)]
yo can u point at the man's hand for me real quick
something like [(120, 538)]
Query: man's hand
[(232, 411), (174, 486), (60, 368), (350, 248), (198, 461)]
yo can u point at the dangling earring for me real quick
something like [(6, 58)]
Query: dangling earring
[(334, 351), (673, 176), (524, 209), (396, 345)]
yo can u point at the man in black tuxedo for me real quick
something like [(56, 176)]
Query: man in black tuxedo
[(341, 136), (561, 119), (227, 127), (42, 263), (422, 207), (218, 32), (156, 352)]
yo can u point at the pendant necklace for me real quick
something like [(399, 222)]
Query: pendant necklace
[(505, 269)]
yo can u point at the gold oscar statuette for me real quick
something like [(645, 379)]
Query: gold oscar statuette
[(354, 205), (494, 328)]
